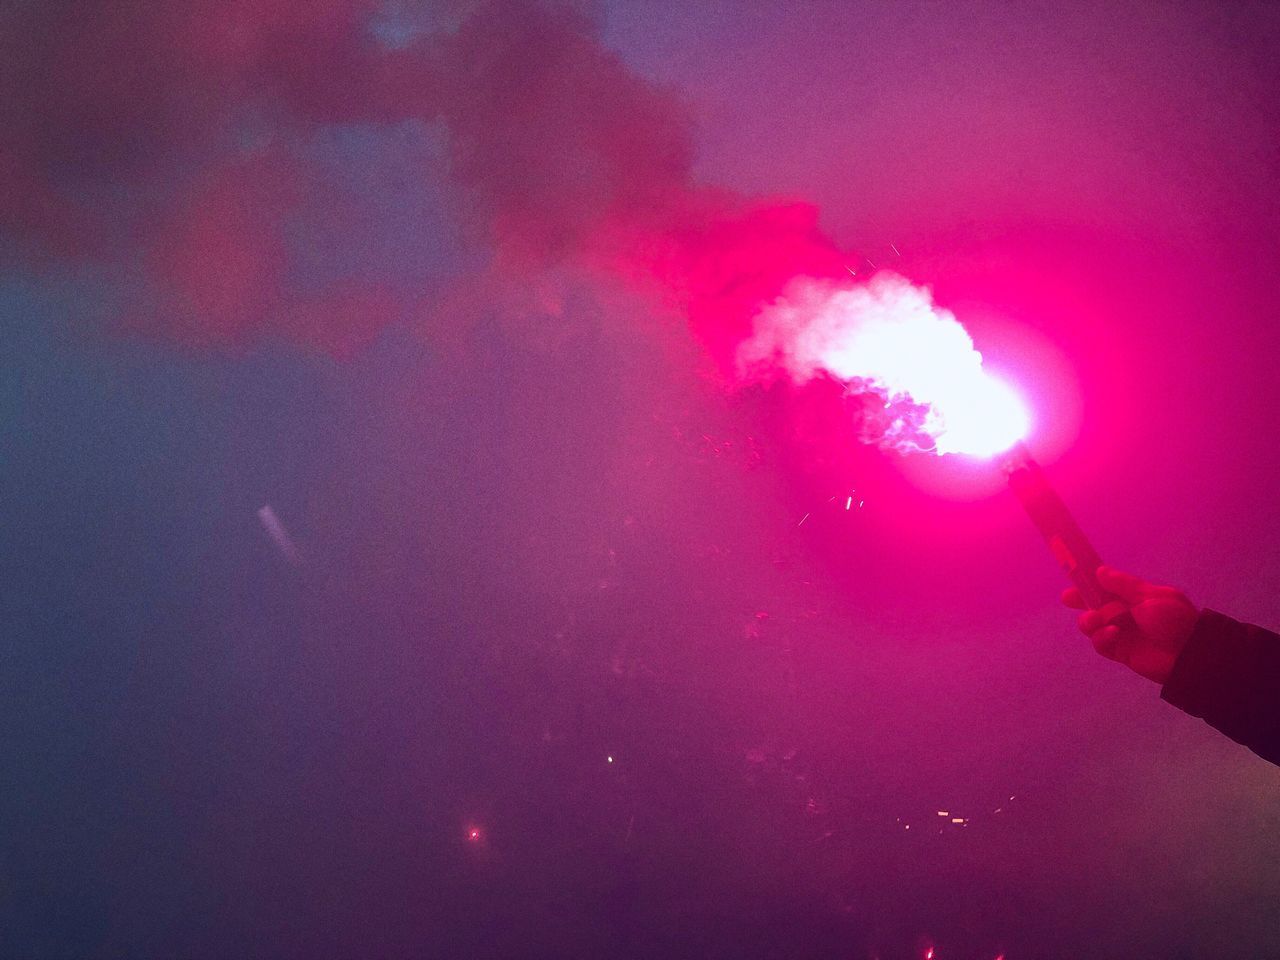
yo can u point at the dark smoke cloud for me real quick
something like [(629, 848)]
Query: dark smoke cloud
[(171, 143)]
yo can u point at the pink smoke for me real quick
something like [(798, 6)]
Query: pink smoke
[(170, 141)]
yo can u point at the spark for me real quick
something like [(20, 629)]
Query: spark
[(873, 266), (474, 834), (848, 503), (957, 820), (928, 954), (276, 531), (802, 520), (852, 272), (944, 813), (895, 250), (609, 758)]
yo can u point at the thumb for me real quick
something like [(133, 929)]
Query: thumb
[(1126, 586)]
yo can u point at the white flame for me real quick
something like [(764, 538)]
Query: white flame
[(888, 335)]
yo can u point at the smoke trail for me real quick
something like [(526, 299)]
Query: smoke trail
[(174, 143), (147, 141), (170, 143)]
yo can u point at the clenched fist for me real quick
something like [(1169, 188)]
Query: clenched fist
[(1163, 616)]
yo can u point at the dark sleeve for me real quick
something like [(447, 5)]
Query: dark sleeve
[(1229, 675)]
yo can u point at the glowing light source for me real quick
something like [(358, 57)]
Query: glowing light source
[(887, 337), (980, 416), (474, 835)]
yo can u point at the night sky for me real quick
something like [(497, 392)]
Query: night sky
[(582, 654)]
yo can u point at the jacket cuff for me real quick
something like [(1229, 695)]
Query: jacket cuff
[(1208, 665)]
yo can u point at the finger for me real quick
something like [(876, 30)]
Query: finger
[(1093, 620), (1073, 598), (1113, 609), (1124, 585), (1107, 642), (1090, 622)]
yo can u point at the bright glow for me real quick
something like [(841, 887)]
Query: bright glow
[(610, 759), (889, 337), (981, 418), (474, 834)]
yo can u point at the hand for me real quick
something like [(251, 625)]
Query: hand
[(1164, 615)]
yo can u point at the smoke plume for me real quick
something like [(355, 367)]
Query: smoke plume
[(175, 148), (171, 146)]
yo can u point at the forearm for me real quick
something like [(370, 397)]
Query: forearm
[(1228, 674)]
